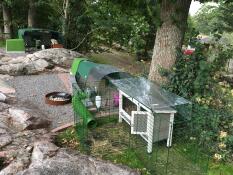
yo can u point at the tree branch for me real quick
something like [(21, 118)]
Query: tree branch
[(86, 37)]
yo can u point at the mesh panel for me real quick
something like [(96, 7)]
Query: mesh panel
[(113, 140), (139, 122)]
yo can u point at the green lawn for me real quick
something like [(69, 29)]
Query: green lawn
[(121, 60), (220, 169)]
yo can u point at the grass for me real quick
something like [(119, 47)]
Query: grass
[(220, 169), (2, 43), (68, 138), (122, 60), (99, 59), (112, 141)]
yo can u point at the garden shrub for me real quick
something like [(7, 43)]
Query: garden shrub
[(199, 78)]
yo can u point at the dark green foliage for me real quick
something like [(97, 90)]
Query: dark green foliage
[(79, 25), (225, 16), (194, 75), (189, 74), (198, 78), (133, 27), (212, 18), (2, 43), (213, 128)]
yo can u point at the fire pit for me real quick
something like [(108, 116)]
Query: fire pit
[(57, 98)]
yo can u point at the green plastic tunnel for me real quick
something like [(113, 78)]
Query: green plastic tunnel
[(81, 110), (75, 65)]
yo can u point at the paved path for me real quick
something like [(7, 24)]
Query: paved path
[(32, 89)]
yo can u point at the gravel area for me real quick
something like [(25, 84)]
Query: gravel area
[(32, 89), (13, 55)]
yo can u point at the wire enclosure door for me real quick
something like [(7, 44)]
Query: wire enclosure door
[(139, 122)]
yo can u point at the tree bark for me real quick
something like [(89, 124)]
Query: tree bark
[(1, 21), (32, 14), (66, 4), (169, 36), (6, 21)]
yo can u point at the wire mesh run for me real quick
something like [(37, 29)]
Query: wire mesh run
[(113, 126)]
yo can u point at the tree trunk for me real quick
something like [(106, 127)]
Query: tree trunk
[(6, 21), (32, 14), (66, 4), (1, 21), (169, 36)]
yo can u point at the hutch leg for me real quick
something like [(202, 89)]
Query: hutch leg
[(120, 107), (169, 140), (150, 126)]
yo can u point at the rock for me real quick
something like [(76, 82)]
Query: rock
[(62, 161), (37, 62), (43, 150), (5, 88), (56, 56), (19, 115), (5, 59), (23, 65), (29, 119), (3, 154), (16, 60), (29, 69), (45, 158), (5, 77), (29, 149), (3, 107), (13, 168), (20, 163), (40, 65), (4, 119), (5, 138), (30, 56), (60, 70), (12, 69), (25, 140), (1, 55), (3, 131), (2, 97)]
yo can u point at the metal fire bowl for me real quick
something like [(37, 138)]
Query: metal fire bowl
[(50, 98)]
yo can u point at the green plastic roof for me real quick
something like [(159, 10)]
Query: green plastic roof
[(85, 67), (75, 65), (22, 31)]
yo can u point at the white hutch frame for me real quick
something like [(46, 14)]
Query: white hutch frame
[(148, 135)]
